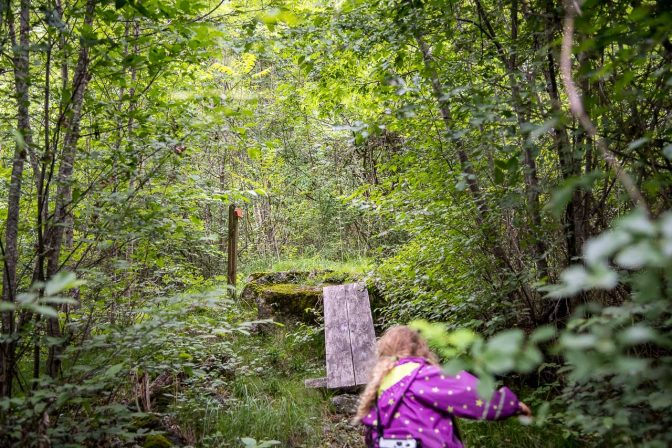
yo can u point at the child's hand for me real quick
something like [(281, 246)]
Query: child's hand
[(524, 409)]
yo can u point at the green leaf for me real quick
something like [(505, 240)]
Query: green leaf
[(267, 443), (113, 370), (248, 442), (637, 143), (7, 306), (637, 223), (538, 131), (637, 334), (43, 310), (507, 342), (600, 248), (578, 341), (254, 152), (59, 300), (499, 176), (270, 17), (497, 362), (486, 386), (461, 338), (18, 139), (667, 151), (461, 185), (61, 282), (454, 366), (289, 18), (564, 193), (529, 359), (638, 255), (542, 334), (630, 365), (660, 400)]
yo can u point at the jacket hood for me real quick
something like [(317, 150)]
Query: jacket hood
[(389, 400)]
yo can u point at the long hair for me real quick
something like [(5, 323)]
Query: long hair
[(397, 342)]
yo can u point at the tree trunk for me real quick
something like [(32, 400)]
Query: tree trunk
[(472, 182), (465, 163), (64, 190), (21, 59), (232, 249), (531, 179)]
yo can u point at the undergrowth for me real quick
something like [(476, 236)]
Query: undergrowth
[(354, 266), (267, 400), (511, 433)]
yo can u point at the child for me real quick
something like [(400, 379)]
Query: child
[(417, 401)]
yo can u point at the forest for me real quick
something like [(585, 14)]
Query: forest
[(498, 173)]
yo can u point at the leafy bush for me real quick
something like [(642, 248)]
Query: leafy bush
[(424, 281), (184, 341)]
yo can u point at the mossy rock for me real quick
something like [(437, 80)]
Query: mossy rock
[(147, 421), (291, 295), (265, 278), (287, 300), (157, 441)]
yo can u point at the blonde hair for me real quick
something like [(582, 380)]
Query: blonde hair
[(398, 342)]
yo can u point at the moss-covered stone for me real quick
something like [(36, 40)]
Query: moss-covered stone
[(147, 421), (335, 278), (288, 295), (264, 278), (157, 441), (287, 300)]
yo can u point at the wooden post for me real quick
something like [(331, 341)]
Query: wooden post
[(232, 246)]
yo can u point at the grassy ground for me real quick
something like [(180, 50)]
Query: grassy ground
[(354, 266), (266, 399)]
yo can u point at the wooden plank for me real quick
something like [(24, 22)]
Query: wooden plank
[(340, 369), (362, 335)]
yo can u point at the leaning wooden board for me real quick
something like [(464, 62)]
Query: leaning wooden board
[(349, 335)]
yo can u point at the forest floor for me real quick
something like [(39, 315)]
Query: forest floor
[(272, 402), (266, 399)]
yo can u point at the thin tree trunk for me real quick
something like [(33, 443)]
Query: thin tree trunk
[(64, 190), (447, 118), (465, 163), (471, 179), (531, 179), (574, 237), (21, 60)]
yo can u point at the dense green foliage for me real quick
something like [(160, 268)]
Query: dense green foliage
[(504, 168)]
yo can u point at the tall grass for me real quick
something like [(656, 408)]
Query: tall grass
[(273, 409)]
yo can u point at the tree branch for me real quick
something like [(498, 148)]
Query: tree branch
[(577, 109)]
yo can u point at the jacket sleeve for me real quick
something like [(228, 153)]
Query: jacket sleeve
[(457, 395)]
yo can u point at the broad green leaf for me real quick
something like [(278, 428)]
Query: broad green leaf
[(60, 282), (600, 248), (542, 334), (43, 310), (113, 370), (461, 338), (507, 342)]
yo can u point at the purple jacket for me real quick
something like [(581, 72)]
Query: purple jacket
[(417, 401)]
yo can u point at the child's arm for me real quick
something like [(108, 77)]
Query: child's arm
[(458, 396)]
